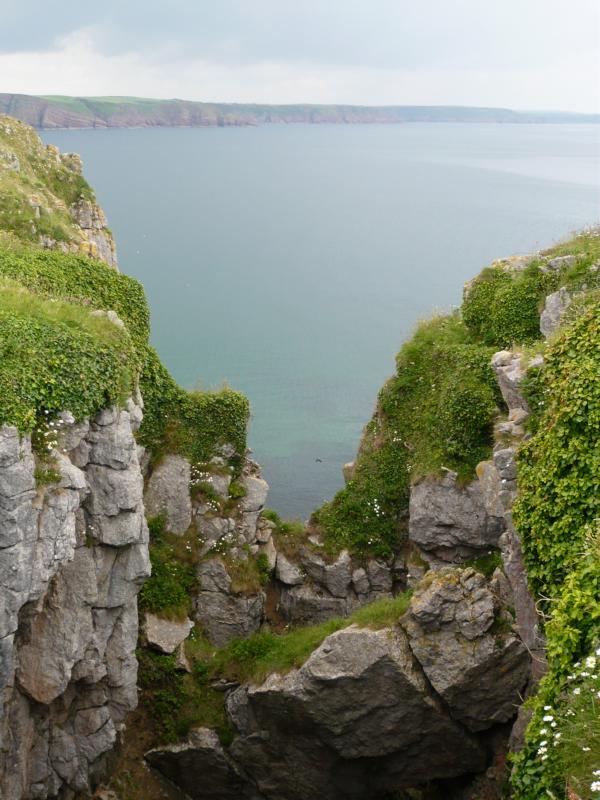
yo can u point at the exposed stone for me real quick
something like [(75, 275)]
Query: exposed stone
[(256, 493), (168, 493), (335, 577), (166, 634), (552, 314), (509, 373), (222, 614), (559, 262), (452, 522), (286, 572), (199, 766), (380, 577), (303, 605), (348, 470), (479, 673), (357, 720), (68, 609), (360, 581)]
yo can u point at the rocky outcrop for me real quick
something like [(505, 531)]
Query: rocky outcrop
[(478, 671), (223, 613), (357, 720), (451, 522), (554, 309), (165, 635), (90, 218), (73, 557), (168, 493)]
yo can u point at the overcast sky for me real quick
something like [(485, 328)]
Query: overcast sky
[(524, 54)]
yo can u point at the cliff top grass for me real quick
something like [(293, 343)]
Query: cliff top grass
[(37, 186), (56, 356), (190, 423)]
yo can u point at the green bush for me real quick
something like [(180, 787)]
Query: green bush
[(559, 467), (556, 515), (190, 423), (168, 591), (51, 365), (503, 307)]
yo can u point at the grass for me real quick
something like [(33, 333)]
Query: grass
[(253, 659)]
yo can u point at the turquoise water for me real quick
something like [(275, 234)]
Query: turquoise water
[(292, 261)]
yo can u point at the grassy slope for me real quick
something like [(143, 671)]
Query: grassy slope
[(43, 181)]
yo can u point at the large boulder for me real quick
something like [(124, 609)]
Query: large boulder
[(357, 720), (452, 522), (168, 493), (476, 664), (335, 577)]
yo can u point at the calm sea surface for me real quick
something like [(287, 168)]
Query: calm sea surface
[(293, 261)]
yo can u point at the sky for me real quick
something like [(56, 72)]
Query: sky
[(522, 54)]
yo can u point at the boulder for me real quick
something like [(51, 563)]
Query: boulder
[(478, 671), (199, 766), (168, 493), (559, 262), (450, 521), (555, 306), (256, 493), (166, 635), (357, 720), (286, 572)]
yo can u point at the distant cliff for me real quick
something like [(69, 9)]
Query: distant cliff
[(130, 112)]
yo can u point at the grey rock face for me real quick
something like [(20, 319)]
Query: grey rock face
[(72, 558), (355, 721), (304, 605), (509, 374), (336, 577), (559, 262), (168, 492), (223, 614), (479, 673), (286, 572), (199, 766), (166, 634), (452, 522), (555, 306)]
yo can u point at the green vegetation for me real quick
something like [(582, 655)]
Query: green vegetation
[(37, 187), (557, 515), (502, 308), (438, 411), (52, 360), (177, 701), (487, 564), (190, 423), (252, 659), (167, 592)]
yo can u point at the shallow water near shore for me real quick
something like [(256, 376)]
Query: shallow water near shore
[(293, 261)]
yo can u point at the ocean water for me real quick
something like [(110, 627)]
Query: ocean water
[(293, 261)]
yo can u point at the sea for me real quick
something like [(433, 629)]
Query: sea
[(292, 261)]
